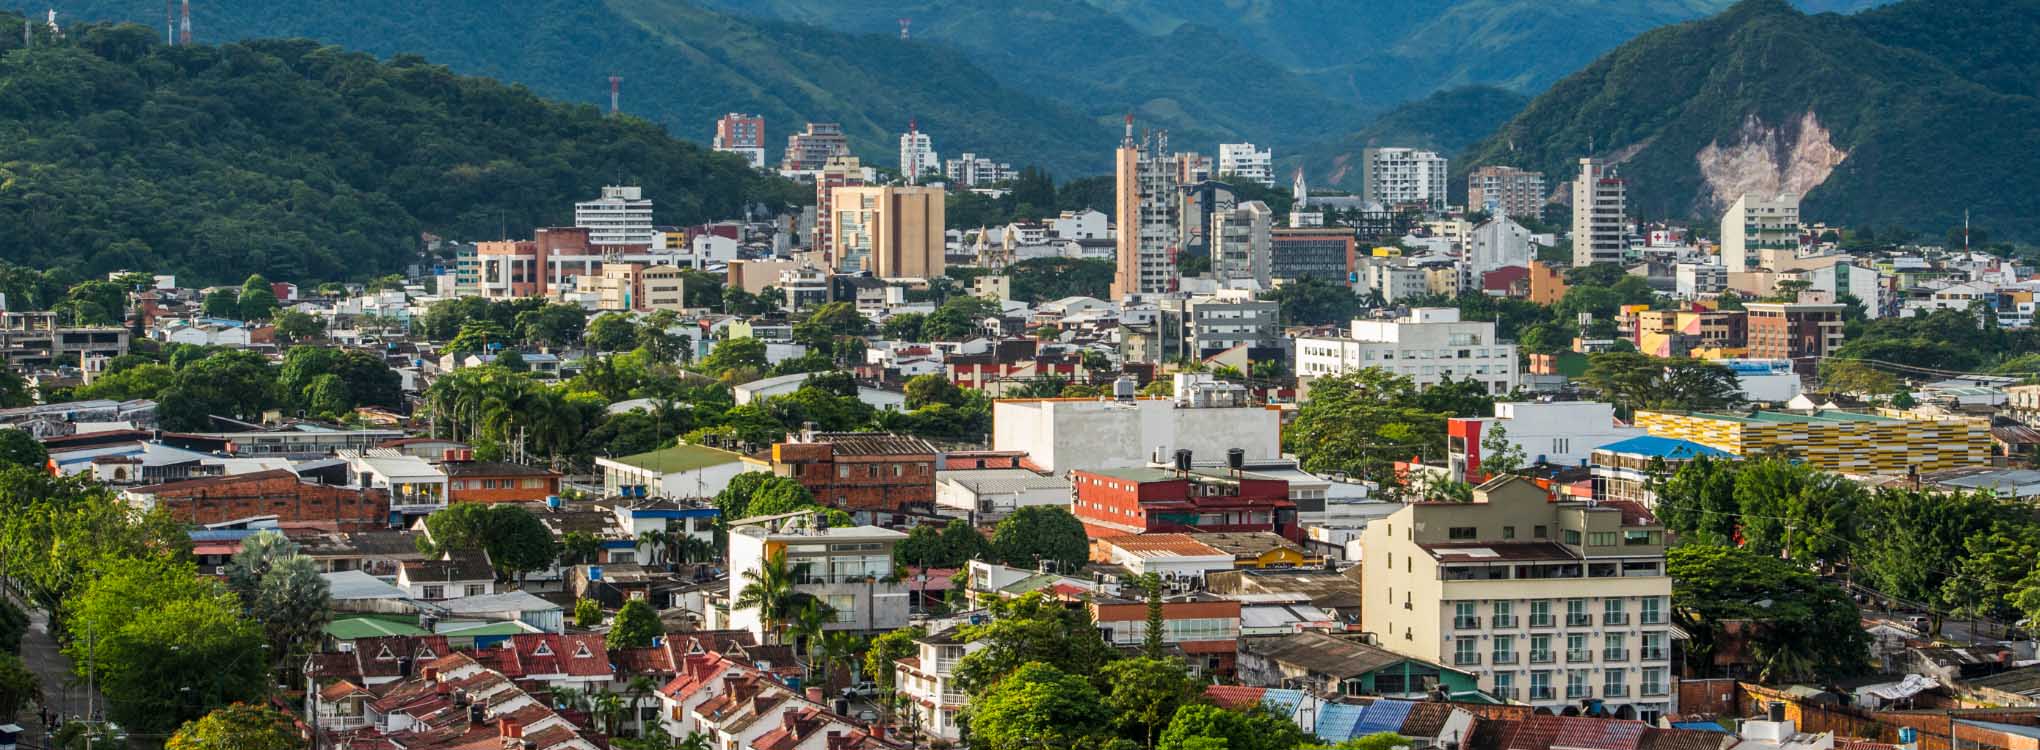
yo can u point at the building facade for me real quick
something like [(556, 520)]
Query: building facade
[(1836, 441), (1802, 332), (277, 492), (1758, 228), (621, 216), (1324, 253), (1599, 210), (838, 172), (1117, 502), (1240, 244), (861, 472), (1066, 434), (1241, 161), (743, 135), (972, 170), (810, 149), (1506, 192), (917, 156), (894, 232), (1403, 176), (1546, 603), (1146, 203), (1428, 346), (847, 569)]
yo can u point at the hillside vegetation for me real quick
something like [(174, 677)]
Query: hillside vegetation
[(1931, 101), (300, 161)]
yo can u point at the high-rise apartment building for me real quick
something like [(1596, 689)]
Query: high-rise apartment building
[(1599, 209), (743, 135), (1401, 176), (1758, 228), (1200, 202), (977, 171), (810, 149), (1548, 603), (622, 216), (840, 171), (1240, 161), (1240, 242), (1505, 191), (895, 232), (1147, 204), (917, 155)]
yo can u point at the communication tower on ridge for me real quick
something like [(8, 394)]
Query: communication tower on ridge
[(905, 25)]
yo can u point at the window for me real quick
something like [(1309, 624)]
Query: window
[(1576, 648), (1540, 649), (435, 592), (1504, 613), (1576, 613), (1463, 617), (1615, 682), (1572, 536), (1612, 614), (1540, 613), (1463, 532), (1540, 532), (1463, 652), (1577, 684), (474, 589), (1615, 647), (1632, 537), (1653, 681), (1505, 684), (1505, 649), (1654, 647), (1540, 685), (1561, 445), (1653, 610), (1508, 532), (1601, 539), (842, 471)]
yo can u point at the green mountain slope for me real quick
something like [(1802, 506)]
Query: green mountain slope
[(1907, 114), (1446, 122), (302, 162), (683, 66)]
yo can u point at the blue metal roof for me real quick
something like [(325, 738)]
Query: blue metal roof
[(222, 535), (1383, 716), (1281, 701), (1666, 448), (1705, 726), (1335, 721)]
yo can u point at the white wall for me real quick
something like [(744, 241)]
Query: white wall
[(1065, 435)]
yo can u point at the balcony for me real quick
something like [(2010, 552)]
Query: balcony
[(955, 698), (1542, 657), (1578, 620), (1574, 692), (1465, 623), (1615, 691), (1504, 657), (1614, 654), (1542, 693), (1615, 618), (1652, 618), (1655, 654), (1576, 655), (1542, 621), (1504, 622), (1465, 660), (1653, 688), (1505, 693)]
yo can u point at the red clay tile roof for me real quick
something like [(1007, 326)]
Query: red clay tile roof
[(1234, 696)]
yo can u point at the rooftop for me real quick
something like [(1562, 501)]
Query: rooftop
[(492, 469), (1671, 449), (1499, 551), (1782, 417), (1324, 654), (679, 458), (1163, 545)]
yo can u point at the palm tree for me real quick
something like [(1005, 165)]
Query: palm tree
[(841, 649), (808, 624), (569, 699), (654, 542), (641, 688), (769, 589), (694, 741), (608, 712)]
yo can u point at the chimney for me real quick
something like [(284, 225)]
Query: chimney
[(510, 729), (431, 674)]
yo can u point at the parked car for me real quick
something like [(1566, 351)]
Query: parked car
[(865, 689)]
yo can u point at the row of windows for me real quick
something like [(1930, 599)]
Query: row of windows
[(498, 484), (1579, 683), (1614, 611), (1578, 648)]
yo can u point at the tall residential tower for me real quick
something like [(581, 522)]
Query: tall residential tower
[(1146, 208), (1600, 202)]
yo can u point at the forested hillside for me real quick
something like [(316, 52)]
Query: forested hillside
[(299, 161), (1903, 115)]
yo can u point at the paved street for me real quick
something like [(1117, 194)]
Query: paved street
[(39, 651)]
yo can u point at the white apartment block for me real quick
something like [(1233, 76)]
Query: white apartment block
[(844, 568), (1428, 346), (622, 216), (1392, 176), (1756, 229), (928, 680), (1548, 603), (977, 171), (917, 156), (1088, 224), (1240, 244), (1599, 209), (1696, 280), (1240, 161), (1499, 242), (1204, 418), (1562, 433)]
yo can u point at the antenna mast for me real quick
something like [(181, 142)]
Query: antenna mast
[(184, 25), (906, 24), (615, 90)]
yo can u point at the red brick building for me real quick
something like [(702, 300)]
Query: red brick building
[(1116, 502), (860, 471), (469, 481), (276, 492), (1803, 333)]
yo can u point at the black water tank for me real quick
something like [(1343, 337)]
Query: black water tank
[(1182, 459), (1236, 458)]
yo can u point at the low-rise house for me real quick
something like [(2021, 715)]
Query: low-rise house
[(453, 577), (1169, 556), (860, 472), (848, 569), (1333, 665), (678, 471), (928, 681), (1204, 628), (471, 481), (415, 487), (276, 493), (987, 495)]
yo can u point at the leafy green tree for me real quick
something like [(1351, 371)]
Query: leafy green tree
[(734, 355), (256, 301), (1038, 706), (1361, 422), (1311, 301), (94, 303), (514, 539), (13, 389), (18, 448), (923, 390), (1258, 729), (587, 613), (13, 626), (1375, 741), (554, 325), (297, 327), (1639, 381), (1459, 398), (294, 603), (637, 624), (1144, 694), (479, 337), (1698, 501), (18, 686), (1498, 454), (1031, 628), (238, 727), (611, 332), (235, 383), (734, 501), (1806, 628), (56, 532), (168, 644), (1041, 533), (780, 495), (1911, 541), (260, 553), (1792, 510), (886, 650), (958, 318), (904, 327), (1994, 571)]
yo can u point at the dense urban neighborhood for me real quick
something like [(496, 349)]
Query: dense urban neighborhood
[(409, 411)]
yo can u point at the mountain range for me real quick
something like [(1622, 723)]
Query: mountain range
[(1043, 82), (1908, 114)]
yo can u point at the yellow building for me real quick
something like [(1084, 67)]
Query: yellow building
[(1837, 441)]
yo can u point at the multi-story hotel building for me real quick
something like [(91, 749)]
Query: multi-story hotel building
[(1548, 602)]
